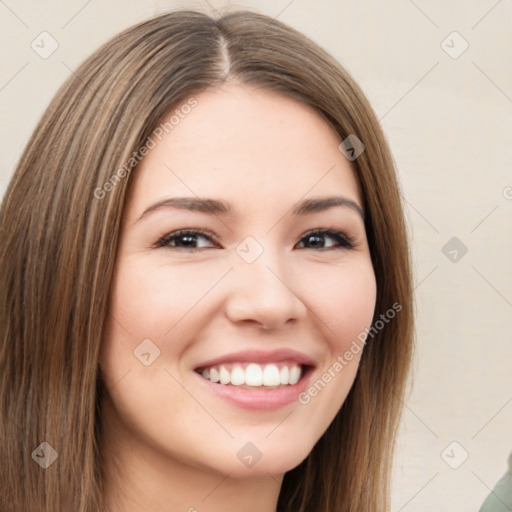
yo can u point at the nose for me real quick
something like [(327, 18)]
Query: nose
[(263, 294)]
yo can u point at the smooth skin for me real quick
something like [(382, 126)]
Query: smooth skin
[(169, 443)]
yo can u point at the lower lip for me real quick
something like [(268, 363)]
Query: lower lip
[(259, 399)]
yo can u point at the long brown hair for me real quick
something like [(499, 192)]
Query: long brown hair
[(59, 230)]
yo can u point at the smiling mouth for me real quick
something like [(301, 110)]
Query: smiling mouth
[(255, 376)]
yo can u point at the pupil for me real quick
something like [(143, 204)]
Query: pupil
[(189, 239), (315, 237)]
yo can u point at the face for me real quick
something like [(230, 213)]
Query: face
[(223, 318)]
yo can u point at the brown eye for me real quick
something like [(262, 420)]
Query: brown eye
[(184, 239), (317, 239), (187, 239)]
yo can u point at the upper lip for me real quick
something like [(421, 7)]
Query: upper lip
[(260, 356)]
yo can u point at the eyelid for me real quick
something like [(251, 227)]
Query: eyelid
[(334, 233), (186, 231)]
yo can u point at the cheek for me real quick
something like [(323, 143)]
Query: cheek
[(150, 299), (344, 300), (344, 303), (157, 302)]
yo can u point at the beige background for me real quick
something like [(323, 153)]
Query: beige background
[(448, 121)]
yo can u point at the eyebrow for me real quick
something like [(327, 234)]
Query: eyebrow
[(219, 207)]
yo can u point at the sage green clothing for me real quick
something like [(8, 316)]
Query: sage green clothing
[(500, 498)]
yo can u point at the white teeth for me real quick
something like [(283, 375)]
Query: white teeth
[(255, 375), (294, 375), (283, 374), (271, 375), (214, 375), (237, 376), (225, 376)]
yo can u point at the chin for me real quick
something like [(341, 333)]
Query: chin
[(264, 458)]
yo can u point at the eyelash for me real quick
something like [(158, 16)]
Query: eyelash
[(344, 241)]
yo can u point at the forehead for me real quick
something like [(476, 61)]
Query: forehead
[(247, 145)]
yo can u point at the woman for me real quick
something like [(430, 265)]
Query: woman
[(263, 369)]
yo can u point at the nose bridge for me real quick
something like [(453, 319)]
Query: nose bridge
[(261, 289), (254, 260)]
